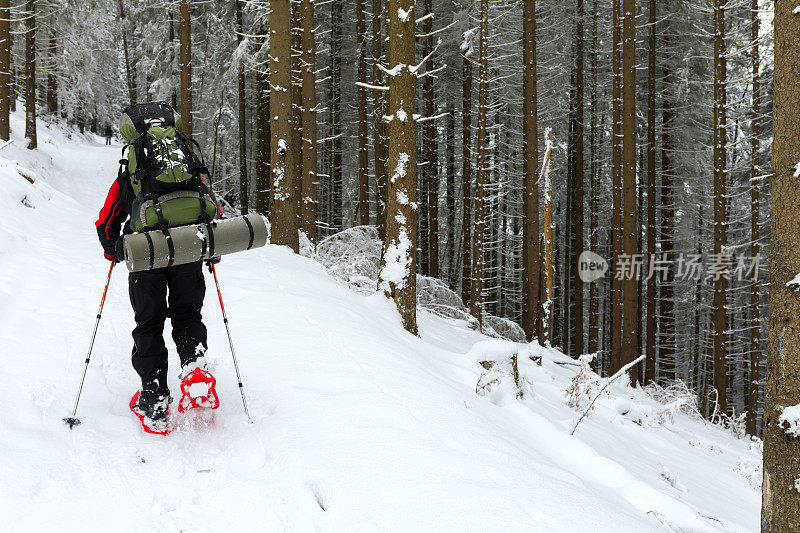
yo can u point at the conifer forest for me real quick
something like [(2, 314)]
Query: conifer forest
[(592, 175)]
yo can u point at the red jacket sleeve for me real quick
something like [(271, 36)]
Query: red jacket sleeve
[(110, 220)]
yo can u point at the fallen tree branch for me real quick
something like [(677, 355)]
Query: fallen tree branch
[(610, 380)]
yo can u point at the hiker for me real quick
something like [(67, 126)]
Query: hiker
[(108, 134), (148, 195)]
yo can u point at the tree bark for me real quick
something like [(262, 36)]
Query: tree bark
[(548, 254), (452, 275), (30, 73), (577, 206), (363, 151), (5, 70), (285, 201), (186, 67), (130, 69), (466, 177), (630, 296), (666, 341), (379, 126), (755, 326), (431, 147), (244, 191), (594, 308), (398, 273), (781, 500), (309, 126), (650, 365), (335, 117), (52, 79), (616, 190), (263, 153), (477, 300), (530, 193), (720, 206)]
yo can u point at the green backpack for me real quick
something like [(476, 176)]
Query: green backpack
[(165, 174)]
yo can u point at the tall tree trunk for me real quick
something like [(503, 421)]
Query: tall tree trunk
[(650, 366), (296, 155), (285, 201), (431, 148), (630, 296), (594, 308), (548, 255), (379, 126), (130, 68), (5, 70), (335, 117), (530, 186), (398, 266), (243, 183), (172, 55), (466, 177), (30, 73), (309, 126), (363, 151), (52, 80), (477, 301), (720, 207), (186, 67), (755, 326), (616, 190), (577, 206), (263, 153), (452, 275), (780, 510), (666, 342)]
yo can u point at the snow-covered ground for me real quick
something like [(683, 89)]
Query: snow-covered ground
[(358, 426)]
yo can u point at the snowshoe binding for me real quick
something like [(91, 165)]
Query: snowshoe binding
[(152, 411), (198, 387)]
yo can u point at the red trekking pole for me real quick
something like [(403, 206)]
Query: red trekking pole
[(230, 340), (72, 420)]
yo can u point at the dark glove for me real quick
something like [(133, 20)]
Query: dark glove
[(213, 261)]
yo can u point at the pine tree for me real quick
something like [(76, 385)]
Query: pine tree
[(285, 201), (530, 125), (755, 329), (30, 73), (466, 169), (243, 183), (578, 194), (781, 500), (630, 296), (398, 266), (720, 206), (650, 365), (186, 68), (363, 129), (476, 306), (5, 69), (379, 126), (308, 205)]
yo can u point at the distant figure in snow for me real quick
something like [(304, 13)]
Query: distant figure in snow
[(108, 134), (145, 201)]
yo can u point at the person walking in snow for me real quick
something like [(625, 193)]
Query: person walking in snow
[(133, 204), (108, 134)]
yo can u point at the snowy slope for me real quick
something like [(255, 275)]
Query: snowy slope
[(359, 426)]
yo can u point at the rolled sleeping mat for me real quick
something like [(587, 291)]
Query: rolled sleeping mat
[(187, 244)]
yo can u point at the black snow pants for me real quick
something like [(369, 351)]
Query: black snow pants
[(152, 305)]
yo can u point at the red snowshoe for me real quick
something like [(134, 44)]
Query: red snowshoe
[(156, 425), (198, 389)]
